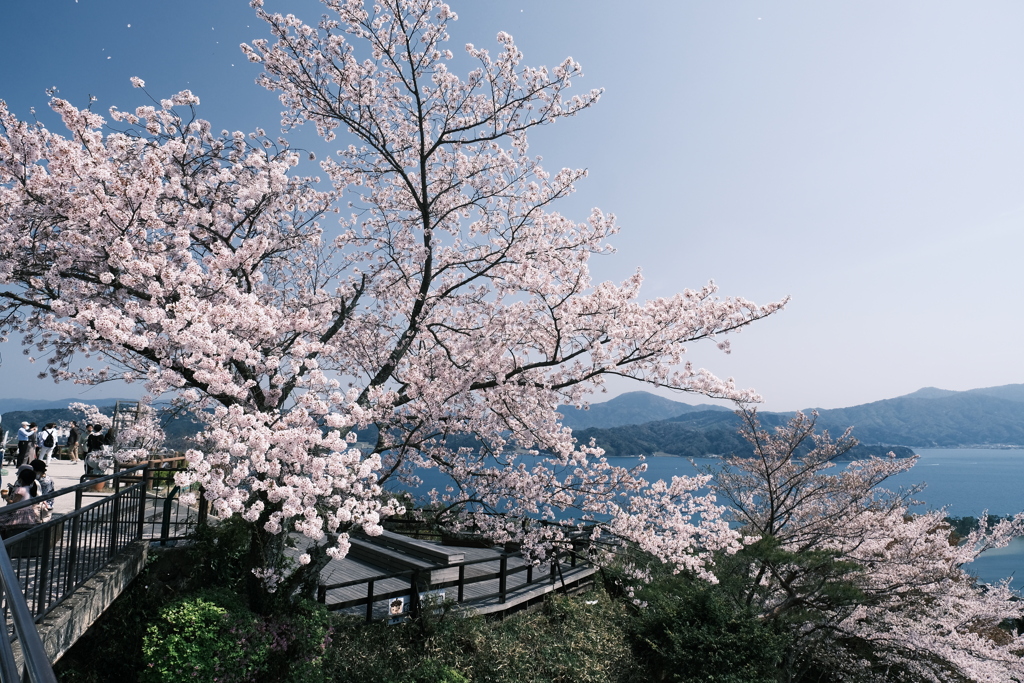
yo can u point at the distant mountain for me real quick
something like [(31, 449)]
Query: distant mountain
[(701, 434), (635, 407), (642, 423), (966, 418), (929, 417), (21, 404), (1008, 392), (930, 392)]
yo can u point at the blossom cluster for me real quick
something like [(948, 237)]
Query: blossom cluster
[(850, 554), (445, 317)]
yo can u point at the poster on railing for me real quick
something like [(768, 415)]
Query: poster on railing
[(398, 608), (396, 611)]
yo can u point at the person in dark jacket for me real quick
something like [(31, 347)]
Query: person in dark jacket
[(94, 446), (73, 440), (95, 441)]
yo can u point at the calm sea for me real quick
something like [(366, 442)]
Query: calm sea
[(965, 481)]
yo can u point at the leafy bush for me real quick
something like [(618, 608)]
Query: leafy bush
[(569, 639), (214, 638), (195, 638), (690, 631), (218, 555)]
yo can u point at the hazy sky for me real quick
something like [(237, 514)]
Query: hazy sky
[(865, 158)]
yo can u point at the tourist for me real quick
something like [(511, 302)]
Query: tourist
[(73, 441), (45, 486), (30, 454), (94, 445), (46, 441), (23, 489), (24, 439)]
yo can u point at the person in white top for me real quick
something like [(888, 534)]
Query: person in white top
[(25, 436), (46, 441)]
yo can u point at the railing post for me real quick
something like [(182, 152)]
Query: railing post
[(76, 525), (462, 581), (529, 573), (321, 594), (165, 521), (369, 601), (44, 570), (204, 508), (115, 516), (502, 578), (554, 567), (143, 499), (414, 594)]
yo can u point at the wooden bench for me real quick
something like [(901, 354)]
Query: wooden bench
[(414, 546), (395, 560)]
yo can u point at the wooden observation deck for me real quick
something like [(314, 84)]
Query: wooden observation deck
[(388, 576)]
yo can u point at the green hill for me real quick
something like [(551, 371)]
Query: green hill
[(927, 418), (635, 407)]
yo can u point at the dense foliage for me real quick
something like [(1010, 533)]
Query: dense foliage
[(183, 620), (866, 589)]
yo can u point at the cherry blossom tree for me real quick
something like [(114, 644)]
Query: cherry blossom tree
[(446, 311), (869, 590)]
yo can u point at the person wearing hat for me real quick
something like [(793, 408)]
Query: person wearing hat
[(24, 489), (45, 486), (25, 437)]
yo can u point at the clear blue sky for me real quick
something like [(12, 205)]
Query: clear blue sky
[(866, 158)]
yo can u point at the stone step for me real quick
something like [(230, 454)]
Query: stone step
[(414, 546), (393, 560)]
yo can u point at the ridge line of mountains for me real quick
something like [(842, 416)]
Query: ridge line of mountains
[(641, 423), (928, 418)]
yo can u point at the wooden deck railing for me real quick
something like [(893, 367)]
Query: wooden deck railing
[(415, 587)]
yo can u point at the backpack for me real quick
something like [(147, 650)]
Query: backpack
[(48, 441)]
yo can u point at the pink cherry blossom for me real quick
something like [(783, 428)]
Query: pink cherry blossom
[(432, 293), (855, 573)]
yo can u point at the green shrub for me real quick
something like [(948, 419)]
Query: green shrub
[(218, 555), (578, 639), (214, 638), (691, 631), (197, 639)]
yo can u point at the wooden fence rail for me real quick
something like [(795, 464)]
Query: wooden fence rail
[(414, 588)]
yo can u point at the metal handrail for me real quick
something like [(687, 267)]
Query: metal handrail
[(37, 663), (71, 489)]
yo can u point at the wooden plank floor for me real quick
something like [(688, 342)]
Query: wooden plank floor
[(480, 597)]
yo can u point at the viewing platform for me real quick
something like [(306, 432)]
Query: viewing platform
[(59, 576), (387, 576)]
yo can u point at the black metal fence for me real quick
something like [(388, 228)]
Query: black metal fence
[(415, 581), (45, 563), (168, 519), (112, 512)]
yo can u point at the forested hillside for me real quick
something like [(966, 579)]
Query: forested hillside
[(930, 417)]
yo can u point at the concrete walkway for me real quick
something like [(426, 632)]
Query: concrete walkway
[(64, 473)]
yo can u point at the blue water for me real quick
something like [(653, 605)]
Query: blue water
[(965, 481)]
